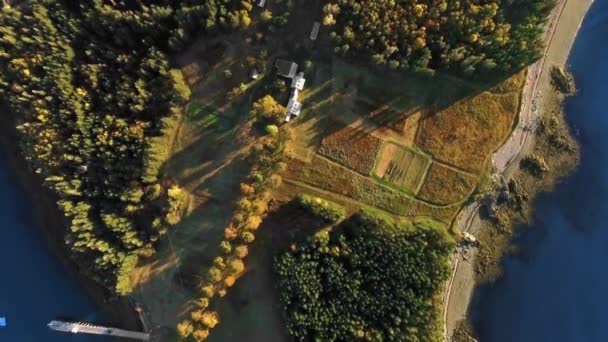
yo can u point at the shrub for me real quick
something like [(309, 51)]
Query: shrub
[(123, 280), (196, 315), (247, 237), (272, 129), (219, 263), (253, 223), (214, 275), (247, 189), (226, 247), (241, 251), (328, 211), (200, 335), (210, 319), (208, 291), (184, 329), (269, 109), (202, 303), (229, 281), (236, 266), (266, 16), (230, 233), (534, 164)]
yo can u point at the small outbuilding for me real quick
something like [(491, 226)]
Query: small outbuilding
[(315, 30), (261, 3), (286, 68), (254, 74)]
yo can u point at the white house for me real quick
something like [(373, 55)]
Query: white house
[(293, 106), (298, 81), (261, 3)]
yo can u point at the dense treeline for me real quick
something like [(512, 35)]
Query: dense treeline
[(93, 89), (367, 279), (461, 35)]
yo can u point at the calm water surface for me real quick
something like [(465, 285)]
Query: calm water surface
[(34, 287), (559, 290)]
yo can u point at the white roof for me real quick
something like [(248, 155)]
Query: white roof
[(296, 108), (292, 99), (298, 81), (261, 3), (315, 30)]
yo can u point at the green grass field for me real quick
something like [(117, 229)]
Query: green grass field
[(204, 117)]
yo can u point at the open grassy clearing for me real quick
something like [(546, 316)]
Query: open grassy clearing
[(207, 160), (354, 149), (384, 104), (251, 311), (204, 117), (466, 133), (444, 185), (402, 167), (511, 84), (332, 177)]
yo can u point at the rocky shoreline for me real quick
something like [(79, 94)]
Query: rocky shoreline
[(476, 266)]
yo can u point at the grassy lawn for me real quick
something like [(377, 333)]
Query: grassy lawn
[(201, 116), (466, 133), (444, 185), (402, 167), (354, 149)]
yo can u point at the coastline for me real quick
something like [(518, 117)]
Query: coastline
[(51, 222), (462, 283)]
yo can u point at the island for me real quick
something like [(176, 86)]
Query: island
[(280, 169)]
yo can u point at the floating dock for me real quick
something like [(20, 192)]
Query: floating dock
[(86, 328)]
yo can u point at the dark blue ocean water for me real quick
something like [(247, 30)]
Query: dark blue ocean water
[(558, 291), (34, 286)]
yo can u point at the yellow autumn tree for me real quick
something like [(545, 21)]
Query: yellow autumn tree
[(184, 329), (210, 319)]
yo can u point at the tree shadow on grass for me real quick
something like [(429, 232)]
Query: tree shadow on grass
[(251, 311), (374, 98)]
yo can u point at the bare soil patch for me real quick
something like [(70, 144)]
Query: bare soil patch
[(385, 159)]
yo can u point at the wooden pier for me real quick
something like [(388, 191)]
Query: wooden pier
[(85, 328)]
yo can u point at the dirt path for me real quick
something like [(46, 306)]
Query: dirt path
[(561, 32)]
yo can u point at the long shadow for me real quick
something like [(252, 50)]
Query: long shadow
[(391, 97), (252, 305)]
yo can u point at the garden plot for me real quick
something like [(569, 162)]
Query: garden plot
[(352, 148), (402, 167)]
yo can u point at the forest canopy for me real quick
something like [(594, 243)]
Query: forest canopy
[(367, 279), (92, 90), (422, 35)]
